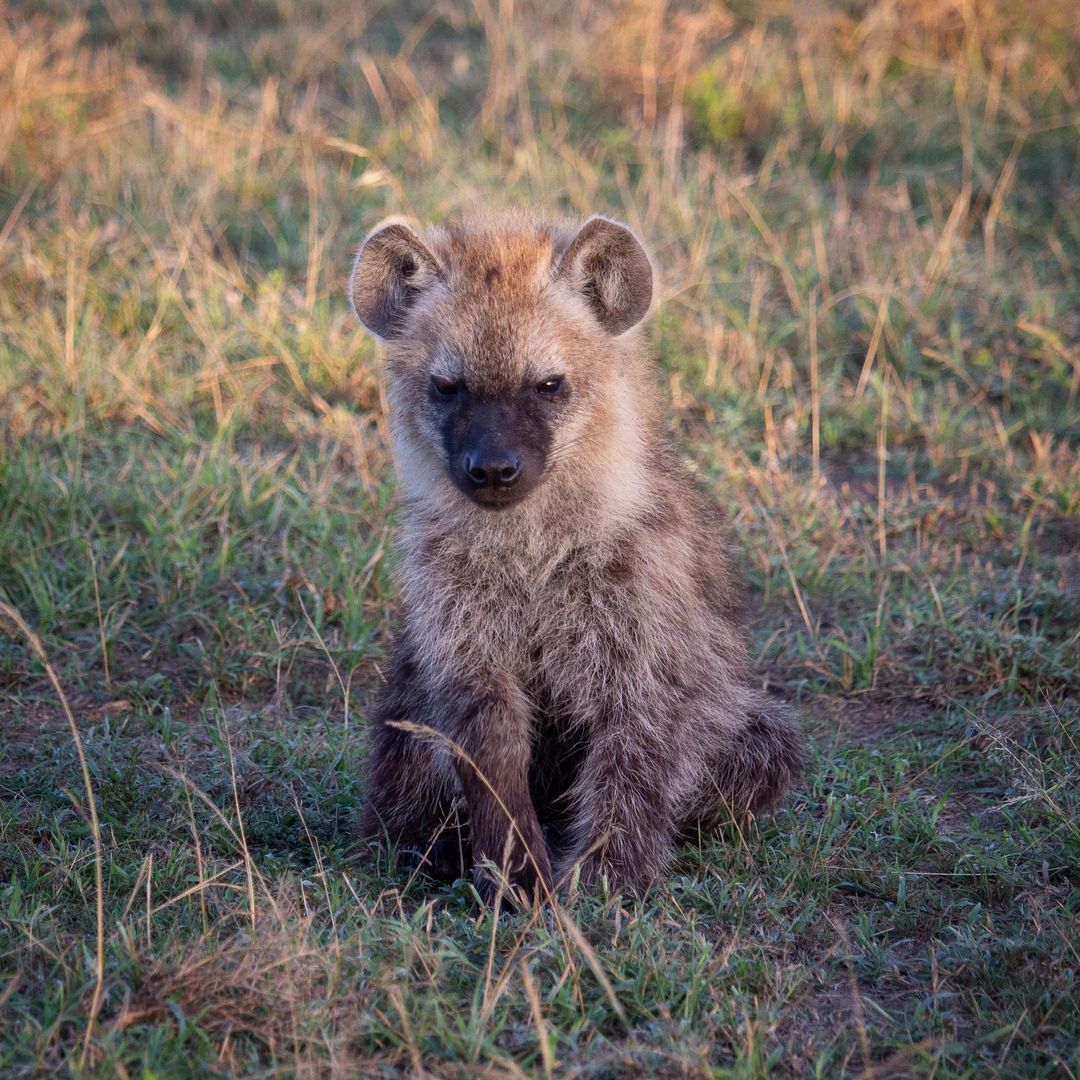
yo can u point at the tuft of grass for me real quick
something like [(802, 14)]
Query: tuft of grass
[(866, 220)]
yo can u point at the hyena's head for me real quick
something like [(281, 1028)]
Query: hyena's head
[(505, 338)]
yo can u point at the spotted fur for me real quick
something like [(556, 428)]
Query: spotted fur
[(570, 684)]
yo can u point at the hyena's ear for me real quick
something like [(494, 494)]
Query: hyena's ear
[(606, 264), (392, 269)]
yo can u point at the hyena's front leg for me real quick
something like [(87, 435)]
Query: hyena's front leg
[(410, 803), (409, 796), (491, 758), (625, 799)]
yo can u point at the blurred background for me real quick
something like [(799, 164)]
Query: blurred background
[(865, 216), (866, 219)]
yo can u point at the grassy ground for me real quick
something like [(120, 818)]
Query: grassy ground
[(867, 218)]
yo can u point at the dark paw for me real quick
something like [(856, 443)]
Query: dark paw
[(443, 860), (521, 888)]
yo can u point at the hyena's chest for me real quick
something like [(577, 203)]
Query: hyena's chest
[(564, 634)]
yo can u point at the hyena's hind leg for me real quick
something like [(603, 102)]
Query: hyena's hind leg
[(752, 770)]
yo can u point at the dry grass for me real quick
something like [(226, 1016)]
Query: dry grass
[(867, 219)]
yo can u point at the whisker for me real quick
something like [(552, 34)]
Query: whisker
[(563, 451)]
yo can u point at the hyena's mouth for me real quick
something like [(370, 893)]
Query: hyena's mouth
[(497, 498)]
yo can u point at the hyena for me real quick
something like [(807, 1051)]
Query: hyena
[(570, 684)]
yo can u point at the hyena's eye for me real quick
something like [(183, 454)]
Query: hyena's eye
[(550, 387), (445, 388)]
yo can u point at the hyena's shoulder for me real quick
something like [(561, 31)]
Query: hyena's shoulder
[(683, 532)]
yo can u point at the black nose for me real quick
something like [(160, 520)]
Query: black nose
[(493, 470)]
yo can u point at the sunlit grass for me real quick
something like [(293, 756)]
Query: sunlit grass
[(866, 220)]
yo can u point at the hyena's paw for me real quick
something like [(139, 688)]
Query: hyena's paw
[(526, 882), (623, 865), (443, 860)]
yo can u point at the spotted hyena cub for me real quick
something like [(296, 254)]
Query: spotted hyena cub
[(569, 685)]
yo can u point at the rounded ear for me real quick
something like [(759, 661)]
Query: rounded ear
[(391, 270), (606, 264)]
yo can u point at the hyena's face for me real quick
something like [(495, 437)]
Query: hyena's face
[(495, 441), (499, 339)]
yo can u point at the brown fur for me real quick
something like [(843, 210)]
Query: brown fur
[(583, 648)]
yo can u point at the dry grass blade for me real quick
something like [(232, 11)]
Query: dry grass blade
[(536, 1009), (13, 616), (595, 966), (244, 850)]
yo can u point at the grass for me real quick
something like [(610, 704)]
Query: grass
[(867, 219)]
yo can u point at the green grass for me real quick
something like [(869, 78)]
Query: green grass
[(866, 223)]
